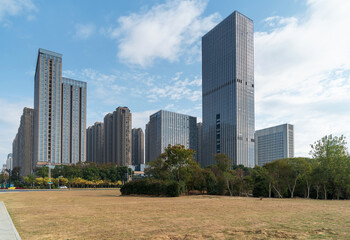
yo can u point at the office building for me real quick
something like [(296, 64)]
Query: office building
[(73, 123), (95, 140), (9, 162), (22, 146), (166, 128), (59, 113), (117, 137), (138, 149), (228, 91), (274, 143), (199, 142)]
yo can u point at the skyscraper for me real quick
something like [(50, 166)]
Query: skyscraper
[(166, 128), (117, 143), (95, 143), (274, 143), (73, 122), (22, 146), (47, 108), (59, 113), (228, 91), (199, 141), (138, 149)]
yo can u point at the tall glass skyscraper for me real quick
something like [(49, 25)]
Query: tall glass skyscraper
[(166, 128), (228, 91), (59, 113), (47, 108)]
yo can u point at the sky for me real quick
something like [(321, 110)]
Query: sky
[(146, 55)]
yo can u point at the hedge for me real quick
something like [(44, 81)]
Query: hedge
[(155, 187)]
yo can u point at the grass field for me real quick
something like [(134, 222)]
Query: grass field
[(104, 214)]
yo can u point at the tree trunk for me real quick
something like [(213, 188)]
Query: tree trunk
[(228, 187), (279, 194), (269, 190), (325, 192), (308, 188)]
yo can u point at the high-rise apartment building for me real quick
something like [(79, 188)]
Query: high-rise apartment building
[(47, 108), (73, 121), (228, 91), (166, 128), (22, 146), (138, 150), (117, 137), (95, 143), (274, 143), (108, 137), (59, 113)]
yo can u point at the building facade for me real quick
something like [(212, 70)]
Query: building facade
[(95, 143), (274, 143), (117, 137), (108, 137), (166, 128), (73, 121), (138, 149), (199, 141), (22, 146), (59, 113), (228, 91), (9, 162)]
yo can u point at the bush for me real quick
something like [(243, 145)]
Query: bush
[(154, 187)]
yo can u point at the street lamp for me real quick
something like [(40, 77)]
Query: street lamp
[(59, 181)]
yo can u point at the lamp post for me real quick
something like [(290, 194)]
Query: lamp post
[(59, 181)]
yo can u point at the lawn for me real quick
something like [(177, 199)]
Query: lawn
[(105, 214)]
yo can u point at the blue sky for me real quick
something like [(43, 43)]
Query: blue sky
[(146, 55)]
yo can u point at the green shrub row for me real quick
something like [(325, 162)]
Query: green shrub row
[(154, 187)]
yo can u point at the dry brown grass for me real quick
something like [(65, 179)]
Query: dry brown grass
[(104, 214)]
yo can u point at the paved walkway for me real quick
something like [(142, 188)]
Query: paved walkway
[(7, 229)]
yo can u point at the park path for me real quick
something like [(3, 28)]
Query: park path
[(7, 229)]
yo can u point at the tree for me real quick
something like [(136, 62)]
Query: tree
[(331, 153), (174, 164)]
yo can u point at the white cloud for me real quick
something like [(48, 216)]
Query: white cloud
[(16, 7), (177, 89), (166, 31), (84, 31), (140, 119), (302, 72)]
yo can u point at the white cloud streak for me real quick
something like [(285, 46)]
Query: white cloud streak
[(166, 31), (15, 8), (84, 31), (303, 72)]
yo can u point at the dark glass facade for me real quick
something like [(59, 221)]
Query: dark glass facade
[(228, 91)]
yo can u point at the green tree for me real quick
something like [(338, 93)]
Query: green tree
[(331, 153)]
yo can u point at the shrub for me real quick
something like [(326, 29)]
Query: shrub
[(154, 187)]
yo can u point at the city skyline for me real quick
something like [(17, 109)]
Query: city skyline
[(292, 76)]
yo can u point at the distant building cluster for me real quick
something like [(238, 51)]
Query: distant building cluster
[(54, 132)]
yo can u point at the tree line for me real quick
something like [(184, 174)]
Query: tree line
[(324, 176), (79, 175)]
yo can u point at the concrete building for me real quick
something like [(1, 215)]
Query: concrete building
[(59, 113), (228, 91), (117, 137), (22, 146), (138, 149), (274, 143), (166, 128), (95, 143), (9, 162), (108, 136), (73, 125), (199, 141)]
